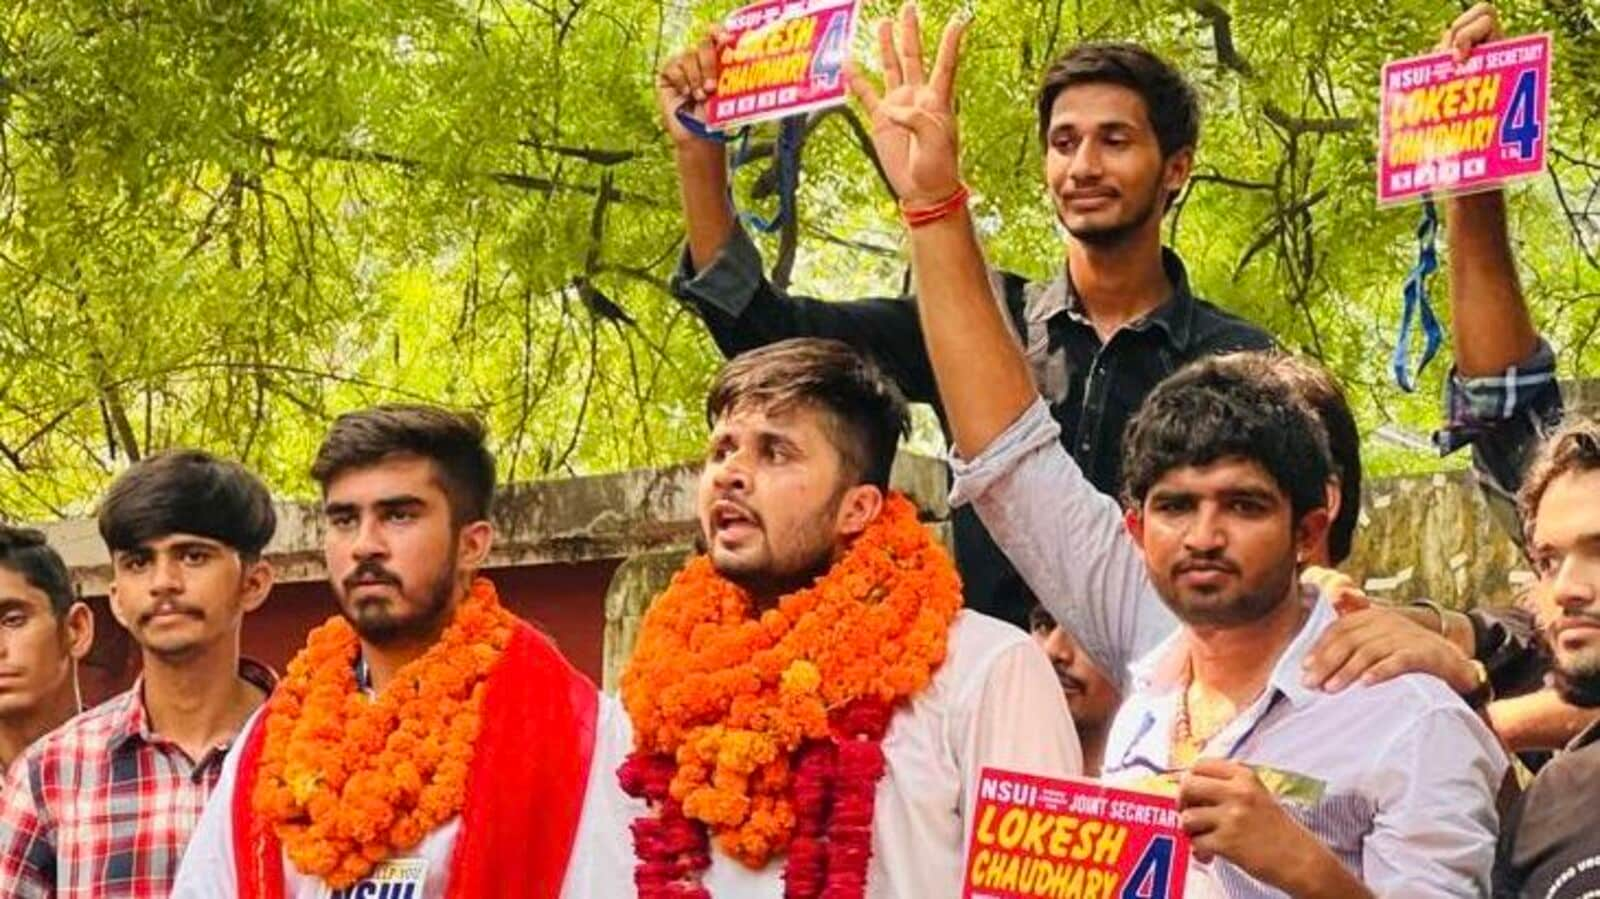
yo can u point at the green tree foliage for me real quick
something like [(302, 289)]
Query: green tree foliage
[(222, 223)]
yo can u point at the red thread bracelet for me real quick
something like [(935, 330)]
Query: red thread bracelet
[(918, 216)]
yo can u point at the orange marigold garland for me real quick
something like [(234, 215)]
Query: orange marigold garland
[(724, 705), (346, 780)]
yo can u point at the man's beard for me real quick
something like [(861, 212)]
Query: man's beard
[(1116, 234), (1248, 607), (1578, 683), (769, 583), (382, 626), (816, 556)]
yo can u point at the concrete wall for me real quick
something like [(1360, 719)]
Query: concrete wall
[(558, 550), (582, 557), (1435, 537)]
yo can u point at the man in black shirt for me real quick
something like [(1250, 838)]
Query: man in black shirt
[(1550, 841), (1119, 128)]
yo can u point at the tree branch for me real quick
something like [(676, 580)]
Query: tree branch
[(1282, 216), (510, 179), (1572, 220), (1219, 178), (1229, 57), (596, 302), (597, 155), (1277, 116), (1222, 35), (863, 246)]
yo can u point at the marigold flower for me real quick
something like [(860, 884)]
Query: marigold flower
[(729, 697), (347, 781)]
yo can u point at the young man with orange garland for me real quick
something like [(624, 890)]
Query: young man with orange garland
[(811, 707), (426, 743)]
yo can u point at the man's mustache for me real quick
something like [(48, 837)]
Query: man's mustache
[(1574, 619), (370, 573), (1068, 681), (1205, 563), (168, 606)]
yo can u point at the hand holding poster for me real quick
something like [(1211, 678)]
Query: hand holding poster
[(1043, 838), (782, 57), (1459, 128)]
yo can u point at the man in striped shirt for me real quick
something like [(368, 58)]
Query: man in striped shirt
[(104, 806)]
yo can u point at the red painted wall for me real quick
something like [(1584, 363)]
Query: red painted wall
[(566, 600)]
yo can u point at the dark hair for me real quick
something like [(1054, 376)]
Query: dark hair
[(1169, 100), (1229, 406), (1039, 617), (453, 441), (188, 492), (1316, 386), (867, 411), (1574, 447), (25, 552)]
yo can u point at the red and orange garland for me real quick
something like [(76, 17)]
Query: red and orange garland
[(347, 780), (767, 730)]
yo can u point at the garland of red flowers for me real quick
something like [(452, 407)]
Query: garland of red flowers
[(347, 780), (767, 732)]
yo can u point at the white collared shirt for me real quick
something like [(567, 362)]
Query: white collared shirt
[(1398, 779), (1408, 773)]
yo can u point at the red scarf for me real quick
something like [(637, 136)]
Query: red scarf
[(524, 797)]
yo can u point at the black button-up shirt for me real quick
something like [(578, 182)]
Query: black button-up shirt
[(1093, 388)]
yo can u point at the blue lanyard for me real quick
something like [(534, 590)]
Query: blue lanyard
[(1254, 725), (790, 133), (1416, 302)]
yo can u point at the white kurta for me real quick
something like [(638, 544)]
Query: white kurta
[(602, 858), (995, 702)]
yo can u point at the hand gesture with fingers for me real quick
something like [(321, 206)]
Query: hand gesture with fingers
[(913, 122), (1478, 25)]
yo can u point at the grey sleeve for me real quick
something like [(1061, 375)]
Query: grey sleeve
[(1067, 540)]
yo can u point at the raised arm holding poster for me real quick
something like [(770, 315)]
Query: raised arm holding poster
[(1452, 128)]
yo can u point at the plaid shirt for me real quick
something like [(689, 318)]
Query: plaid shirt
[(1503, 418), (103, 807)]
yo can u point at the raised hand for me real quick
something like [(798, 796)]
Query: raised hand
[(1478, 25), (689, 79), (913, 121)]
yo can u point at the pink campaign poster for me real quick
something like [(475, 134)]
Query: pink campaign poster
[(1044, 838), (783, 57), (1451, 129)]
